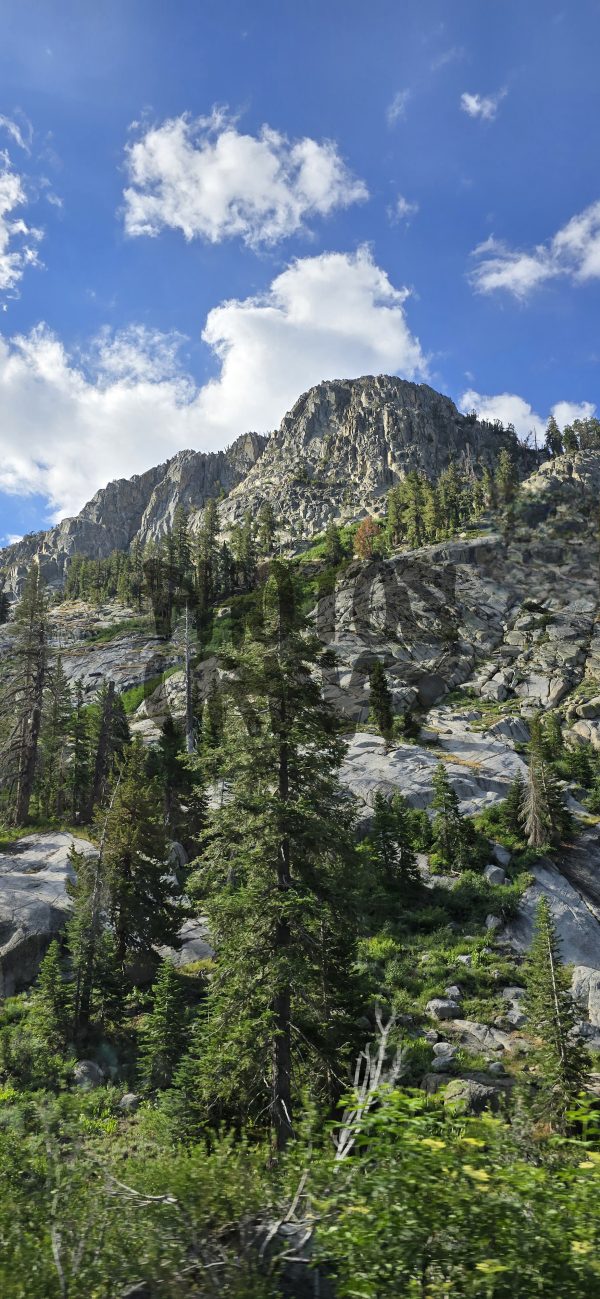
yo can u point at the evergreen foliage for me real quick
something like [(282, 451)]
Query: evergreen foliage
[(277, 877), (545, 816), (50, 1013), (561, 1061), (22, 700), (390, 849), (142, 910), (453, 835), (163, 1035), (380, 699), (554, 443)]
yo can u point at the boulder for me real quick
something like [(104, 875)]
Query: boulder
[(471, 1097), (478, 1036), (442, 1008), (585, 987), (495, 690), (496, 1069), (445, 1050), (513, 729), (453, 992), (495, 874), (129, 1103), (590, 708), (430, 688), (87, 1074), (501, 854), (493, 923), (441, 1064)]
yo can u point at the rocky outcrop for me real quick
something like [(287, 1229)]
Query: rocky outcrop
[(346, 442), (34, 904)]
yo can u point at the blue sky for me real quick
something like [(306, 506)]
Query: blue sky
[(207, 207)]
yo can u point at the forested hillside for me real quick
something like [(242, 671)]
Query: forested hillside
[(299, 912)]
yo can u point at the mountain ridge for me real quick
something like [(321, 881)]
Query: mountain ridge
[(342, 445)]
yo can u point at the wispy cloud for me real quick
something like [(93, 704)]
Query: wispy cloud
[(20, 132), (482, 106), (397, 108), (452, 55), (573, 252), (402, 209)]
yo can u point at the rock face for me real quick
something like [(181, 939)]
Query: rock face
[(346, 442), (33, 903)]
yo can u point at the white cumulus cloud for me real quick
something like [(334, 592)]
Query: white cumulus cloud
[(574, 252), (205, 178), (511, 409), (482, 106), (402, 210), (70, 423)]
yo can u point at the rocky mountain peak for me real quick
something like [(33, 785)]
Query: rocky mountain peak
[(346, 442)]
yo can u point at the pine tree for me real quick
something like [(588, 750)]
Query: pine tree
[(80, 766), (333, 550), (553, 744), (393, 517), (110, 736), (506, 478), (207, 557), (411, 495), (562, 1062), (453, 836), (431, 512), (278, 877), (267, 529), (570, 440), (54, 746), (380, 698), (142, 911), (391, 841), (50, 1013), (23, 698), (512, 811), (449, 494), (554, 444), (545, 816), (163, 1036), (479, 498)]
